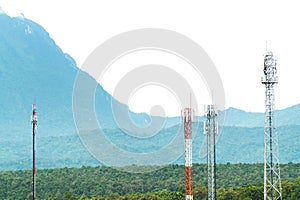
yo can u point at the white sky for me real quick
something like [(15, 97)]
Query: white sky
[(232, 32)]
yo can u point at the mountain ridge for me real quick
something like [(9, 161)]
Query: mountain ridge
[(34, 68)]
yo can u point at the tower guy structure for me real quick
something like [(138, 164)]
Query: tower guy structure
[(34, 126), (272, 182), (187, 120), (211, 131)]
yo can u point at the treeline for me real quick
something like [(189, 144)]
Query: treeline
[(234, 181)]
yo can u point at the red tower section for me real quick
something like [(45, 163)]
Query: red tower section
[(187, 118)]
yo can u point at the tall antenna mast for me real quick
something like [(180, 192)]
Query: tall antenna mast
[(34, 126), (187, 120), (211, 130), (272, 182)]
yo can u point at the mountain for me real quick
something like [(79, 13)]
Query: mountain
[(241, 118), (34, 69), (234, 145)]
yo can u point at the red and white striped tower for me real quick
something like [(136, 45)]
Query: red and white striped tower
[(34, 126), (187, 120)]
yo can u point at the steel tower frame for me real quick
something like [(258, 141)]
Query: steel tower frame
[(272, 182), (34, 126), (187, 120), (211, 131)]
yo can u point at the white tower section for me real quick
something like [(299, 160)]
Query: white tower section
[(272, 182), (211, 131)]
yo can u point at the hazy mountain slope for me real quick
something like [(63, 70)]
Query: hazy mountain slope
[(33, 68), (235, 145), (284, 117)]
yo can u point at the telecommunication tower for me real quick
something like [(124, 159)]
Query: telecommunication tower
[(272, 182), (187, 120), (211, 130), (34, 126)]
